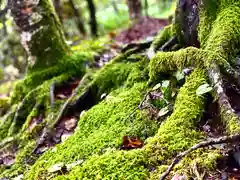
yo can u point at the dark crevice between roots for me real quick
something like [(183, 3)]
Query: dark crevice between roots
[(233, 93), (228, 166), (211, 123), (65, 127), (8, 154)]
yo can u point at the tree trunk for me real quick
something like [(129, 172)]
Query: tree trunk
[(78, 18), (58, 8), (93, 20), (41, 32), (115, 6), (146, 7), (134, 9)]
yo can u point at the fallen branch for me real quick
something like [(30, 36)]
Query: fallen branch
[(178, 158)]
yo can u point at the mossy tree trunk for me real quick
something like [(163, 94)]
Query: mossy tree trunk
[(41, 32), (134, 9), (59, 10)]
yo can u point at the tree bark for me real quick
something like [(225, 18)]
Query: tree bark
[(134, 9), (78, 18), (146, 7), (58, 8), (41, 32), (93, 20), (115, 6)]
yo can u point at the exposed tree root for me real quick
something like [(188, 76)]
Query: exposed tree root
[(139, 46), (52, 98), (179, 157), (217, 82), (170, 43)]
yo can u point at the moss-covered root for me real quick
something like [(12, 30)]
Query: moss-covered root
[(167, 62), (179, 132), (99, 132)]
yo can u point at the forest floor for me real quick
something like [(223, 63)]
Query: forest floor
[(122, 99)]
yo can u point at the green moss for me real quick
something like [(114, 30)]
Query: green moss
[(112, 165), (93, 45), (182, 123), (72, 66), (169, 62), (232, 123), (99, 129), (163, 36), (179, 132), (5, 122), (219, 29)]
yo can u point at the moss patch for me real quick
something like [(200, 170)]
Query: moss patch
[(99, 129)]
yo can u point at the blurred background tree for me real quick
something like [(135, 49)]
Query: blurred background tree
[(80, 20)]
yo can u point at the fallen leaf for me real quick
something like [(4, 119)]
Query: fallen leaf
[(34, 122), (179, 177), (203, 89), (164, 111), (156, 87), (19, 177), (61, 96), (70, 123), (65, 136), (56, 168), (65, 90), (72, 165), (165, 84), (131, 143), (179, 75), (82, 113)]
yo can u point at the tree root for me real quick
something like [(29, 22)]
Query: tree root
[(138, 46), (217, 82), (48, 131), (169, 44), (52, 98), (165, 47), (179, 157)]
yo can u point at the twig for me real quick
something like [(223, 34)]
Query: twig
[(151, 51), (179, 157), (52, 98), (140, 106)]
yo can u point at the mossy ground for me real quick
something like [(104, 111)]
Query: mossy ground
[(98, 136)]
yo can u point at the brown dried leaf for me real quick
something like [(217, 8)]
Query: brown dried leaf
[(131, 143)]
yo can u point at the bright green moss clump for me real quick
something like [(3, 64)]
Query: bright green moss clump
[(179, 132), (101, 129), (169, 62)]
